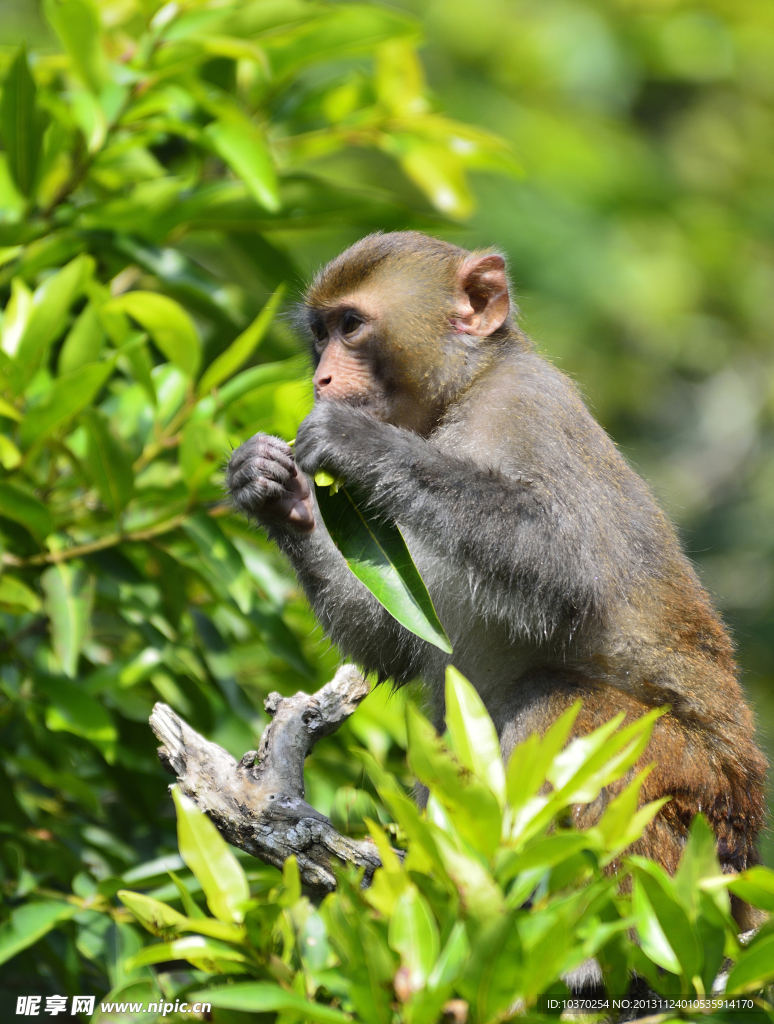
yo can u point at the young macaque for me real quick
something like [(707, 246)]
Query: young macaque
[(553, 570)]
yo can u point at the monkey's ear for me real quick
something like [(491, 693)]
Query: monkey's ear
[(482, 300)]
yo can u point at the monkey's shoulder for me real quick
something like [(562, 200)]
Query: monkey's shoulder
[(523, 415)]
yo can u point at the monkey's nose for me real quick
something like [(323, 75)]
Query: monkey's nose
[(322, 382)]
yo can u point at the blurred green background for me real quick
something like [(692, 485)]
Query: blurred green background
[(640, 236)]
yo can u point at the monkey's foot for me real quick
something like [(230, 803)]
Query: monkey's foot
[(257, 804)]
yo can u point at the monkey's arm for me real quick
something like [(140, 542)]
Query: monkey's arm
[(516, 535), (346, 610), (264, 484)]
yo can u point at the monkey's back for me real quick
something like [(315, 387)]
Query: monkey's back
[(601, 604)]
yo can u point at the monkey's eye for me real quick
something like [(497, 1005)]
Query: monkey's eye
[(350, 322), (319, 330)]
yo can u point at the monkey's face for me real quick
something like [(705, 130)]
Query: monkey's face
[(406, 341), (372, 353)]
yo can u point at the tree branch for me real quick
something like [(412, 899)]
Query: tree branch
[(258, 804), (108, 541)]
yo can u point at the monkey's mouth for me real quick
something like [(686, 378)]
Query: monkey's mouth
[(376, 406)]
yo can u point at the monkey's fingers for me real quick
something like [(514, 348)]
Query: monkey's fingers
[(301, 515), (296, 506), (279, 450), (263, 446), (257, 492), (265, 467)]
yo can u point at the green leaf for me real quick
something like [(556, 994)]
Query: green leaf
[(699, 862), (66, 397), (69, 594), (76, 22), (243, 147), (48, 313), (209, 858), (437, 170), (530, 760), (413, 934), (16, 597), (160, 919), (291, 880), (754, 968), (265, 997), (479, 893), (16, 316), (242, 348), (29, 923), (88, 114), (493, 973), (109, 465), (473, 735), (666, 933), (204, 448), (84, 341), (190, 906), (571, 762), (207, 954), (183, 279), (73, 710), (281, 372), (314, 947), (10, 456), (138, 359), (622, 823), (167, 323), (547, 949), (350, 808), (220, 557), (592, 762), (713, 924), (140, 991), (755, 886), (376, 553), (546, 853), (467, 799), (406, 813), (399, 78), (23, 508), (652, 937), (453, 956), (355, 28), (22, 123)]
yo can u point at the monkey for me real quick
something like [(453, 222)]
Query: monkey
[(553, 570)]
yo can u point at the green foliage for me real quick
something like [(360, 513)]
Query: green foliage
[(377, 554), (494, 918), (157, 184)]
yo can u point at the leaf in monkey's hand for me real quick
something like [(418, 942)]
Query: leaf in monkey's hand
[(323, 479), (376, 553)]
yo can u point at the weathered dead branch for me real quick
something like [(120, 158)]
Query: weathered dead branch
[(258, 804)]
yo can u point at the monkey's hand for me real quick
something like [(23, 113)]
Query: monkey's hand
[(263, 481), (347, 442)]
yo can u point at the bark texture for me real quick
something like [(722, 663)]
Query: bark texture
[(257, 803)]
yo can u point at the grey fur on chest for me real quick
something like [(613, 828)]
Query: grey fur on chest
[(486, 647)]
